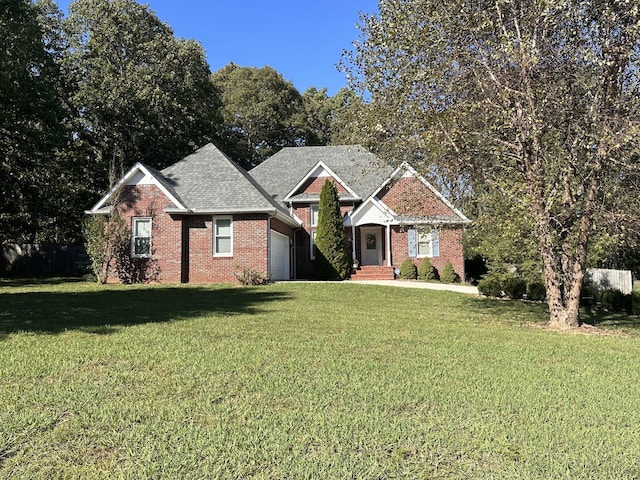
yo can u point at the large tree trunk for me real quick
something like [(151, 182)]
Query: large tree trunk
[(564, 257), (563, 288)]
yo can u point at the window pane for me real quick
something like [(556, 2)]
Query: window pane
[(424, 244), (142, 246), (223, 245), (314, 215), (143, 228), (223, 227)]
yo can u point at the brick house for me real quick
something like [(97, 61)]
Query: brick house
[(202, 218)]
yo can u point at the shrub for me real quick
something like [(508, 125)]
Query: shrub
[(613, 299), (490, 286), (634, 303), (536, 291), (448, 274), (251, 276), (408, 270), (587, 296), (515, 287), (426, 271), (333, 261)]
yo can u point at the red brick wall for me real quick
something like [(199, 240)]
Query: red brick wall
[(249, 248), (315, 184), (450, 249), (409, 196), (196, 263), (166, 232)]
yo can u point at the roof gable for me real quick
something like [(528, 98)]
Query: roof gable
[(205, 182), (415, 209), (320, 171), (356, 168), (139, 174)]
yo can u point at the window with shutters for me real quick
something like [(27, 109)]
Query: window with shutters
[(424, 243)]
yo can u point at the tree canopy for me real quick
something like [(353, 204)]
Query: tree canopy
[(32, 115), (140, 93), (259, 111), (542, 95)]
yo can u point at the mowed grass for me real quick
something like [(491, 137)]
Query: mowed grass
[(306, 380)]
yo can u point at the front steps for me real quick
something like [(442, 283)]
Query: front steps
[(372, 272)]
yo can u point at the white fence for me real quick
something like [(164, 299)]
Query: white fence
[(604, 279)]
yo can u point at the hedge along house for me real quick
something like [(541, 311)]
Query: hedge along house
[(389, 214), (204, 217)]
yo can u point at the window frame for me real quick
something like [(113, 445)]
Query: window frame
[(312, 207), (312, 244), (134, 237), (216, 236), (420, 236)]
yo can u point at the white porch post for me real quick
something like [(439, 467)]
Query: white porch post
[(388, 242), (353, 242)]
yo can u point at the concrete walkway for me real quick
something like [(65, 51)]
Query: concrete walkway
[(429, 286)]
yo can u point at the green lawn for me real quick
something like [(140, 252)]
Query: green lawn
[(310, 381)]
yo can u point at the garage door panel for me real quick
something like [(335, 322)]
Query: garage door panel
[(279, 256)]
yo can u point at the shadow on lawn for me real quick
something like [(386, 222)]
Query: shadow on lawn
[(103, 311), (538, 312)]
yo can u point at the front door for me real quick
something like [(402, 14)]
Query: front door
[(371, 246)]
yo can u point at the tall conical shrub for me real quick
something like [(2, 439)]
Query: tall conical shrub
[(332, 258)]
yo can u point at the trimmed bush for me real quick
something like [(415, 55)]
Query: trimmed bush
[(515, 288), (408, 270), (333, 261), (634, 303), (536, 291), (613, 299), (448, 274), (426, 271), (490, 286), (587, 296)]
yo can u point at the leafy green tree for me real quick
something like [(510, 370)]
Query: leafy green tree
[(32, 115), (332, 258), (260, 112), (328, 120), (540, 94), (141, 94)]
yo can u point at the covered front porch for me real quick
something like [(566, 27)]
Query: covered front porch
[(371, 246)]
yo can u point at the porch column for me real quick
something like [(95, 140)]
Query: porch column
[(353, 243), (388, 242)]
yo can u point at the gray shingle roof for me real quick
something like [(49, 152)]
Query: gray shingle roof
[(208, 181), (361, 170)]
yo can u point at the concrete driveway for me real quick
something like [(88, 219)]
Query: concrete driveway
[(429, 286)]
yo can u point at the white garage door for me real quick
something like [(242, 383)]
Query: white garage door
[(279, 256)]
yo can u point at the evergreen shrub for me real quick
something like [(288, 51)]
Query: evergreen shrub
[(332, 261), (536, 291), (408, 270), (515, 287), (448, 274), (613, 299), (490, 286), (426, 271)]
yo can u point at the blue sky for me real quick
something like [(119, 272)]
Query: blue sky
[(303, 40)]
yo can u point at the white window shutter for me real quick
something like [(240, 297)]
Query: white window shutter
[(412, 236)]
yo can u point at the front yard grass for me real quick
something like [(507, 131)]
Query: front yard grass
[(298, 380)]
